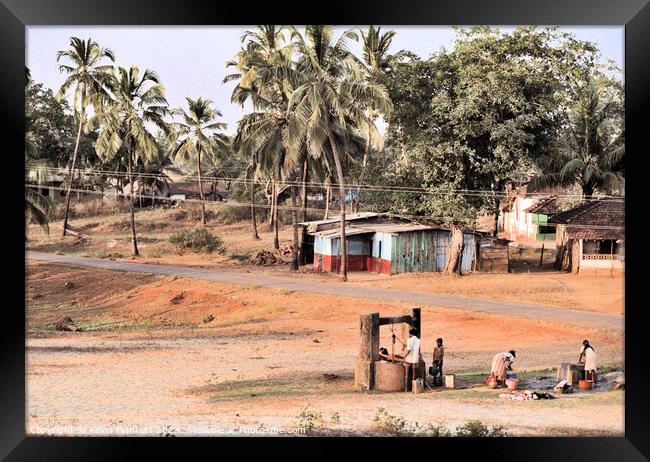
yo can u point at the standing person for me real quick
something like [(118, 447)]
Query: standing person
[(438, 357), (501, 363), (588, 357), (411, 353)]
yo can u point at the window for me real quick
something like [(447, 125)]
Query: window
[(599, 247)]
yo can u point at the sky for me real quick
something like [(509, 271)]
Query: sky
[(190, 61)]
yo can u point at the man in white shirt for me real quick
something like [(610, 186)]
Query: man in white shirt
[(412, 356)]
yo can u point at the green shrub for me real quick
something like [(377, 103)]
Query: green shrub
[(436, 431), (477, 429), (308, 420), (196, 240), (385, 422), (229, 214), (91, 207)]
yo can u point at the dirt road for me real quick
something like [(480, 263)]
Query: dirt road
[(142, 384), (526, 310)]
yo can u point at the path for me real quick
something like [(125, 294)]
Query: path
[(585, 318)]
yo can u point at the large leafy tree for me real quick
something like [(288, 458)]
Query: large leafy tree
[(88, 73), (467, 119), (329, 109), (198, 133), (590, 151), (138, 100)]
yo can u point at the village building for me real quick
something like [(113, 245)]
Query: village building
[(391, 245), (591, 237), (41, 179), (524, 216), (190, 190)]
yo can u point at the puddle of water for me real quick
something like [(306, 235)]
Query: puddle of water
[(547, 383)]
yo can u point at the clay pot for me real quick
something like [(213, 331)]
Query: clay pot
[(512, 384), (586, 384), (492, 383)]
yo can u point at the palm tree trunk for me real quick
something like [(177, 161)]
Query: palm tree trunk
[(276, 225), (495, 231), (303, 206), (339, 172), (272, 209), (134, 240), (294, 221), (453, 265), (328, 193), (363, 168), (253, 218), (201, 184), (74, 161)]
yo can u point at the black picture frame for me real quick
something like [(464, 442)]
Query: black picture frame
[(633, 14)]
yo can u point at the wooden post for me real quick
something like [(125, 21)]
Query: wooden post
[(368, 350), (541, 257), (416, 322)]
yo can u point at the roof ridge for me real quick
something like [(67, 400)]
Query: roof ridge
[(587, 207)]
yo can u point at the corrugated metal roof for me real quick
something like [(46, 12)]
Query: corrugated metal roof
[(388, 228), (350, 217), (349, 231)]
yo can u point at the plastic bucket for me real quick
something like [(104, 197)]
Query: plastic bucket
[(512, 384), (586, 384)]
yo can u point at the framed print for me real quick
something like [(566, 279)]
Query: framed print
[(377, 221)]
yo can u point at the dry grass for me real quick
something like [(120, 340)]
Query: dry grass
[(108, 236)]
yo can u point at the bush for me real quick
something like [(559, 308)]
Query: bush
[(229, 214), (385, 422), (191, 211), (433, 430), (308, 420), (196, 240), (477, 429), (91, 207)]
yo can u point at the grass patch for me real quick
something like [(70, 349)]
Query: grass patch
[(287, 385), (196, 240), (243, 322), (241, 257)]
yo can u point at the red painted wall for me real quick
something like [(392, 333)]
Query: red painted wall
[(379, 265), (355, 263), (330, 263)]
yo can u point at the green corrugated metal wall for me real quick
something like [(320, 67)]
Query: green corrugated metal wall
[(426, 251), (414, 252)]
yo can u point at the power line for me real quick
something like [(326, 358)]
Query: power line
[(312, 185), (282, 207)]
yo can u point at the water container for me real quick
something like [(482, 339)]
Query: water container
[(512, 384)]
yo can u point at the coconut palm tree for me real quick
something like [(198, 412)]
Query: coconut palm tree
[(592, 150), (84, 63), (375, 47), (38, 208), (331, 105), (198, 133), (137, 101), (266, 77)]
